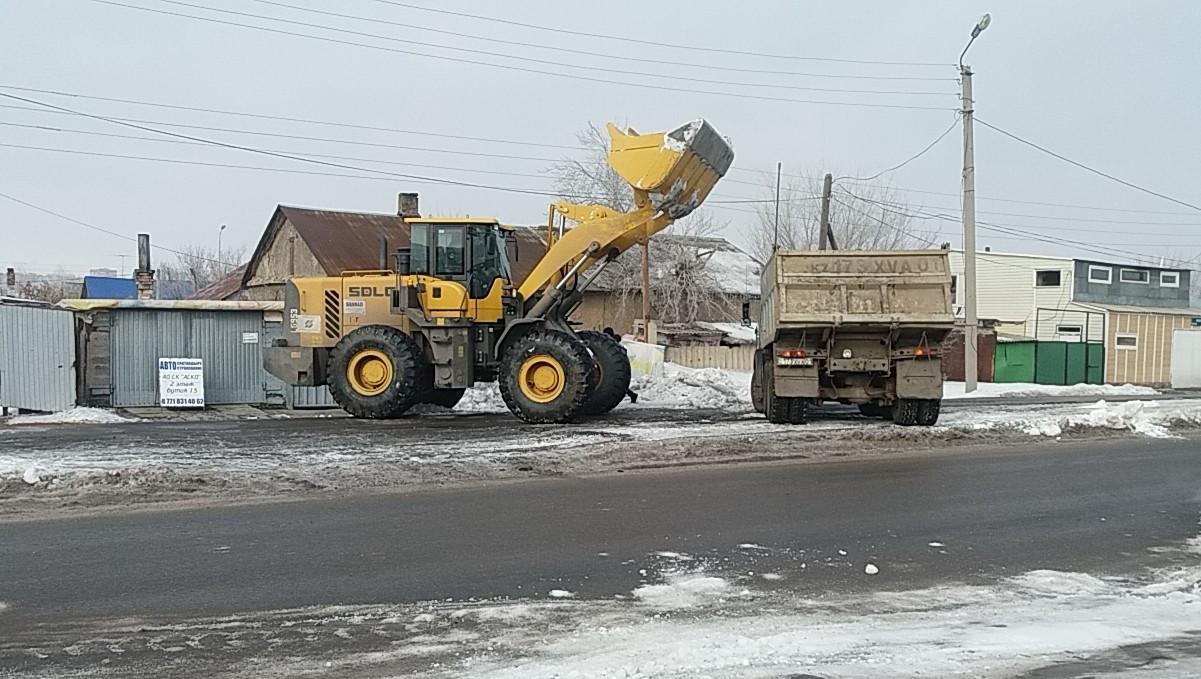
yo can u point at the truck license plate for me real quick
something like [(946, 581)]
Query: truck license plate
[(793, 361)]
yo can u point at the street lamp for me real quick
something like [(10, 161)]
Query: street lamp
[(219, 233), (970, 357)]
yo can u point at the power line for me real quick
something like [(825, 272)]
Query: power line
[(912, 158), (533, 60), (1082, 166), (263, 116), (285, 156), (655, 43), (886, 224), (1049, 220), (647, 86), (101, 230), (602, 55)]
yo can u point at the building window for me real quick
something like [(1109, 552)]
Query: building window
[(1046, 279), (1100, 274), (954, 289), (1169, 279), (1069, 333), (1126, 341), (1136, 276)]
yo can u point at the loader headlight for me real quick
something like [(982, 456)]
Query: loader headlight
[(846, 353)]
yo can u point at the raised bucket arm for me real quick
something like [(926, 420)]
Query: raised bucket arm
[(671, 173)]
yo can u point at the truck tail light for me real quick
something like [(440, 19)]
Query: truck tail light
[(923, 351), (793, 353)]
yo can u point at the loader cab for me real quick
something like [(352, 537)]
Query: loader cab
[(471, 252)]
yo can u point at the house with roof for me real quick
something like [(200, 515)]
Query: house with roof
[(308, 242), (1136, 312)]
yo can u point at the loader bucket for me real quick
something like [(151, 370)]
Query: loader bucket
[(673, 171)]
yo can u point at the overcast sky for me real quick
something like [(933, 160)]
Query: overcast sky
[(1112, 85)]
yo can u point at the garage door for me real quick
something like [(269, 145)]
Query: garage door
[(1186, 359)]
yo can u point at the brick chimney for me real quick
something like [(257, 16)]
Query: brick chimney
[(406, 205)]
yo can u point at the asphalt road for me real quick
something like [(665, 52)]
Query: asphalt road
[(1093, 506)]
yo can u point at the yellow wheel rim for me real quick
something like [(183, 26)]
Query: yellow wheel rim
[(369, 372), (541, 378)]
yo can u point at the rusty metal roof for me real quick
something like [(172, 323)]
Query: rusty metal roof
[(228, 287), (347, 241)]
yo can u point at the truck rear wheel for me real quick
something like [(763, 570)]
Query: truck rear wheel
[(905, 411), (547, 376), (927, 412), (612, 372), (797, 410), (374, 372), (757, 383)]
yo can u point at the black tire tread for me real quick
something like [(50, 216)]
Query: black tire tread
[(615, 373), (408, 366), (905, 411), (578, 365), (927, 412)]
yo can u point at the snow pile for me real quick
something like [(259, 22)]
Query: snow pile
[(678, 386), (955, 390), (1135, 416), (73, 416), (683, 590), (482, 398)]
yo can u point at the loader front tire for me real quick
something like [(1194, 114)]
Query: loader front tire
[(375, 372), (547, 376), (612, 372)]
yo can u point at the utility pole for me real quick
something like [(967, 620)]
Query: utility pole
[(823, 238), (220, 261), (971, 323), (775, 241), (647, 330), (970, 358)]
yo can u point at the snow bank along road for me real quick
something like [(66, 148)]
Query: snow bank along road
[(46, 467), (1044, 560)]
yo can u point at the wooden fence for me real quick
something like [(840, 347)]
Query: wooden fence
[(730, 358)]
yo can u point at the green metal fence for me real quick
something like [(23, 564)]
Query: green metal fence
[(1059, 363)]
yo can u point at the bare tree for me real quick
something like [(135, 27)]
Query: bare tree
[(46, 290), (683, 288), (863, 216), (590, 179), (200, 265)]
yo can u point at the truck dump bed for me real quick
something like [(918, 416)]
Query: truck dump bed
[(897, 288)]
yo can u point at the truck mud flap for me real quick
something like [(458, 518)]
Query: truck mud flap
[(919, 378)]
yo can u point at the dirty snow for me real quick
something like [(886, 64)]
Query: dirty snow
[(681, 387), (1145, 418), (955, 390), (560, 594), (78, 415), (683, 590), (871, 569)]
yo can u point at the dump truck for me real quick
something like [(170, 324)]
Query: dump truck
[(444, 313), (853, 327)]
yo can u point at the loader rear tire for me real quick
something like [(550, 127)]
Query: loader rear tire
[(375, 372), (547, 376), (612, 372)]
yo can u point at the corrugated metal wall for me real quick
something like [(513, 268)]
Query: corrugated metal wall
[(233, 367), (698, 356), (311, 397), (37, 358)]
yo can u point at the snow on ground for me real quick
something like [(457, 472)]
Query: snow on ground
[(1145, 418), (78, 415), (699, 626), (955, 390), (682, 387)]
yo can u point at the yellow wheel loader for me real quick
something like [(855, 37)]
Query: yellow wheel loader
[(445, 313)]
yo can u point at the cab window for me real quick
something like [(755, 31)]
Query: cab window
[(449, 257), (489, 260)]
